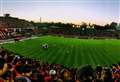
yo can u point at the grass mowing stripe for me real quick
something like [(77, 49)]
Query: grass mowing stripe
[(78, 57), (62, 59), (85, 54), (103, 56), (55, 58), (111, 59), (84, 51), (42, 52), (67, 53), (100, 57), (89, 58), (58, 49), (29, 51), (116, 56), (72, 55), (94, 51), (51, 54), (93, 61)]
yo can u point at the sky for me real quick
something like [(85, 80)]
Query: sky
[(68, 11)]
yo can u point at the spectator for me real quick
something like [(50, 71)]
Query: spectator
[(18, 69), (3, 69), (28, 73), (20, 74), (86, 74)]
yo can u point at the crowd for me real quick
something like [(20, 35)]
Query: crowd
[(16, 68)]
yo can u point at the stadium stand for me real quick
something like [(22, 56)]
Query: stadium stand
[(3, 34)]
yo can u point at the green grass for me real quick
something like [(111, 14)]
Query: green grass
[(81, 51)]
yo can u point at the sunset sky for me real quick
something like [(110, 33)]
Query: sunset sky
[(72, 11)]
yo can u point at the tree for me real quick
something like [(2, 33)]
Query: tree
[(83, 25), (6, 15), (118, 27), (113, 25), (107, 26), (83, 28)]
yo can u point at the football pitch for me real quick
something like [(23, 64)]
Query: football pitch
[(69, 51)]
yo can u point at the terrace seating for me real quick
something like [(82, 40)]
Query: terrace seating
[(3, 34)]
